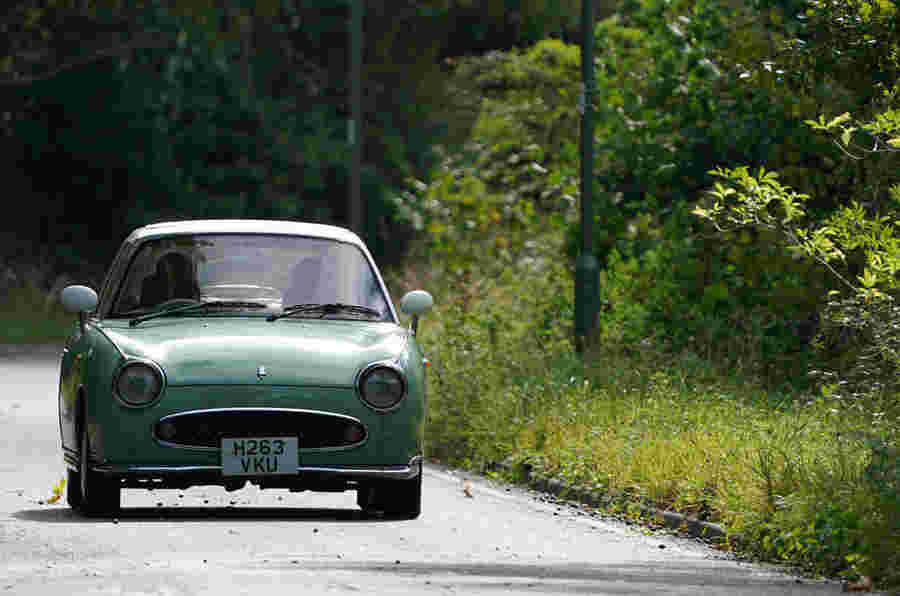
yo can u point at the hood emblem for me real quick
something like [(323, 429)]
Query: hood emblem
[(260, 372)]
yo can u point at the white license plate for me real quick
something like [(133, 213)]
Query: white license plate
[(259, 456)]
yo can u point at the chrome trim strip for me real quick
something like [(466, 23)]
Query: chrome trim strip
[(254, 409), (165, 443), (162, 443), (388, 472)]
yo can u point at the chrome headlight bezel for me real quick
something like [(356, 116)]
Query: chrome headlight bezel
[(366, 372), (155, 368)]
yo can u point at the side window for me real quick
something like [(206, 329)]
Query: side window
[(374, 297), (112, 279)]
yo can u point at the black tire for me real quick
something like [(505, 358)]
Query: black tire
[(73, 489), (393, 498), (96, 495)]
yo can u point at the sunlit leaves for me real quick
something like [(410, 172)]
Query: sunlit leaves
[(821, 124), (761, 202), (747, 200)]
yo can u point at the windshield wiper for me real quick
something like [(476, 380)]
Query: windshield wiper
[(191, 307), (327, 309)]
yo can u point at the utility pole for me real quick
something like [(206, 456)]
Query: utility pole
[(355, 206), (586, 266)]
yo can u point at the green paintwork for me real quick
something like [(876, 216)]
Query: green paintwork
[(211, 362), (227, 350)]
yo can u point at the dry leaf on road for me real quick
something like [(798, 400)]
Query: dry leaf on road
[(863, 585)]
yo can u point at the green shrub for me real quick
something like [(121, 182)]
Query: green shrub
[(673, 285), (27, 316), (692, 399), (529, 96), (670, 106), (498, 354)]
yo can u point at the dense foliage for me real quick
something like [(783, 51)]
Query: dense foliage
[(675, 98), (710, 317), (189, 108), (829, 209)]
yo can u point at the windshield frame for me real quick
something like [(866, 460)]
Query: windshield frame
[(129, 250)]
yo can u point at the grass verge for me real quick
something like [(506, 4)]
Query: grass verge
[(792, 478), (27, 317)]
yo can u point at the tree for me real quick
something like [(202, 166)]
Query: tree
[(250, 120)]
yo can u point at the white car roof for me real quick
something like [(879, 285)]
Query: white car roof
[(244, 226)]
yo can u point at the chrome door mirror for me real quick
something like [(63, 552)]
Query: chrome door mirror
[(79, 299), (416, 303)]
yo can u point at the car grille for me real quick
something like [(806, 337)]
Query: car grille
[(207, 428)]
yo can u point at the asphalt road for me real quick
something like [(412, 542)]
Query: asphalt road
[(207, 541)]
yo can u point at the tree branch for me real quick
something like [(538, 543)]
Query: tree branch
[(146, 41)]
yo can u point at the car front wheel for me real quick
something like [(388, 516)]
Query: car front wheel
[(393, 498), (96, 494), (73, 489)]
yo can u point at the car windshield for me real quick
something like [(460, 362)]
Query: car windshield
[(247, 270)]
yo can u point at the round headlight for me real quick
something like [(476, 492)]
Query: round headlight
[(138, 384), (382, 387)]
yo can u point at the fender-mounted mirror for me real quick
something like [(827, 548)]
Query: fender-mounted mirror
[(79, 299), (416, 303)]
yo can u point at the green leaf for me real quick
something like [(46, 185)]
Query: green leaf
[(837, 120), (868, 279), (816, 124), (846, 135)]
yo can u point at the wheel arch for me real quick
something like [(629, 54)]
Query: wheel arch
[(80, 409), (80, 421)]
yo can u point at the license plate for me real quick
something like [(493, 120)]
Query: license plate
[(259, 456)]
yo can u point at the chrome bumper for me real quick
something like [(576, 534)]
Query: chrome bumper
[(406, 472)]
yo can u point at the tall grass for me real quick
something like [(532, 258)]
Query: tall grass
[(790, 476), (696, 396)]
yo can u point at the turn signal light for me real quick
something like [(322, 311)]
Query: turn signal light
[(354, 433), (166, 431)]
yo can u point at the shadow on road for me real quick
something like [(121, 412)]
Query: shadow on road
[(212, 514), (639, 578)]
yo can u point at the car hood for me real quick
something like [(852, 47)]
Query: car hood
[(224, 351)]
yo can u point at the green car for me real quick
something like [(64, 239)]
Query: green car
[(225, 351)]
